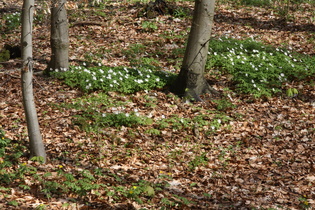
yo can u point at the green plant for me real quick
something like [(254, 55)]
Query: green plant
[(123, 119), (224, 104), (256, 3), (282, 8), (100, 13), (13, 203), (38, 159), (121, 79), (41, 207), (292, 92), (304, 202), (199, 160), (258, 69), (4, 55), (153, 131), (149, 26), (12, 21), (141, 188), (100, 111), (182, 12)]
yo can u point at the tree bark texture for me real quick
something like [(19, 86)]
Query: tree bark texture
[(59, 39), (190, 82), (35, 138)]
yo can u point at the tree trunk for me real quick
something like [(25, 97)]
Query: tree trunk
[(59, 39), (36, 142), (191, 82)]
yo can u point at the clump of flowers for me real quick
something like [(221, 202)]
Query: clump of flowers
[(12, 21), (120, 79), (256, 68)]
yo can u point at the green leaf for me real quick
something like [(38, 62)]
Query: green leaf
[(149, 191)]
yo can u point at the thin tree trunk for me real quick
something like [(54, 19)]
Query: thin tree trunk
[(190, 82), (35, 138), (59, 39)]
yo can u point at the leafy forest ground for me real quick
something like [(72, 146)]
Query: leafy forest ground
[(147, 149)]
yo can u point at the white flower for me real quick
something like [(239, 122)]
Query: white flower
[(157, 79), (282, 75), (102, 72), (94, 78), (219, 121), (127, 114), (139, 81), (110, 85), (110, 71), (99, 64), (148, 76), (254, 85), (84, 64)]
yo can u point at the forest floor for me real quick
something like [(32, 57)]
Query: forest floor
[(261, 156)]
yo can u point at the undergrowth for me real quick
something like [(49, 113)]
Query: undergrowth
[(120, 79), (258, 69)]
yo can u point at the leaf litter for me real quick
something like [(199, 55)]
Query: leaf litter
[(262, 157)]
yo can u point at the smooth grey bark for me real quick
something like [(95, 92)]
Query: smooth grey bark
[(191, 82), (59, 38), (36, 143)]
